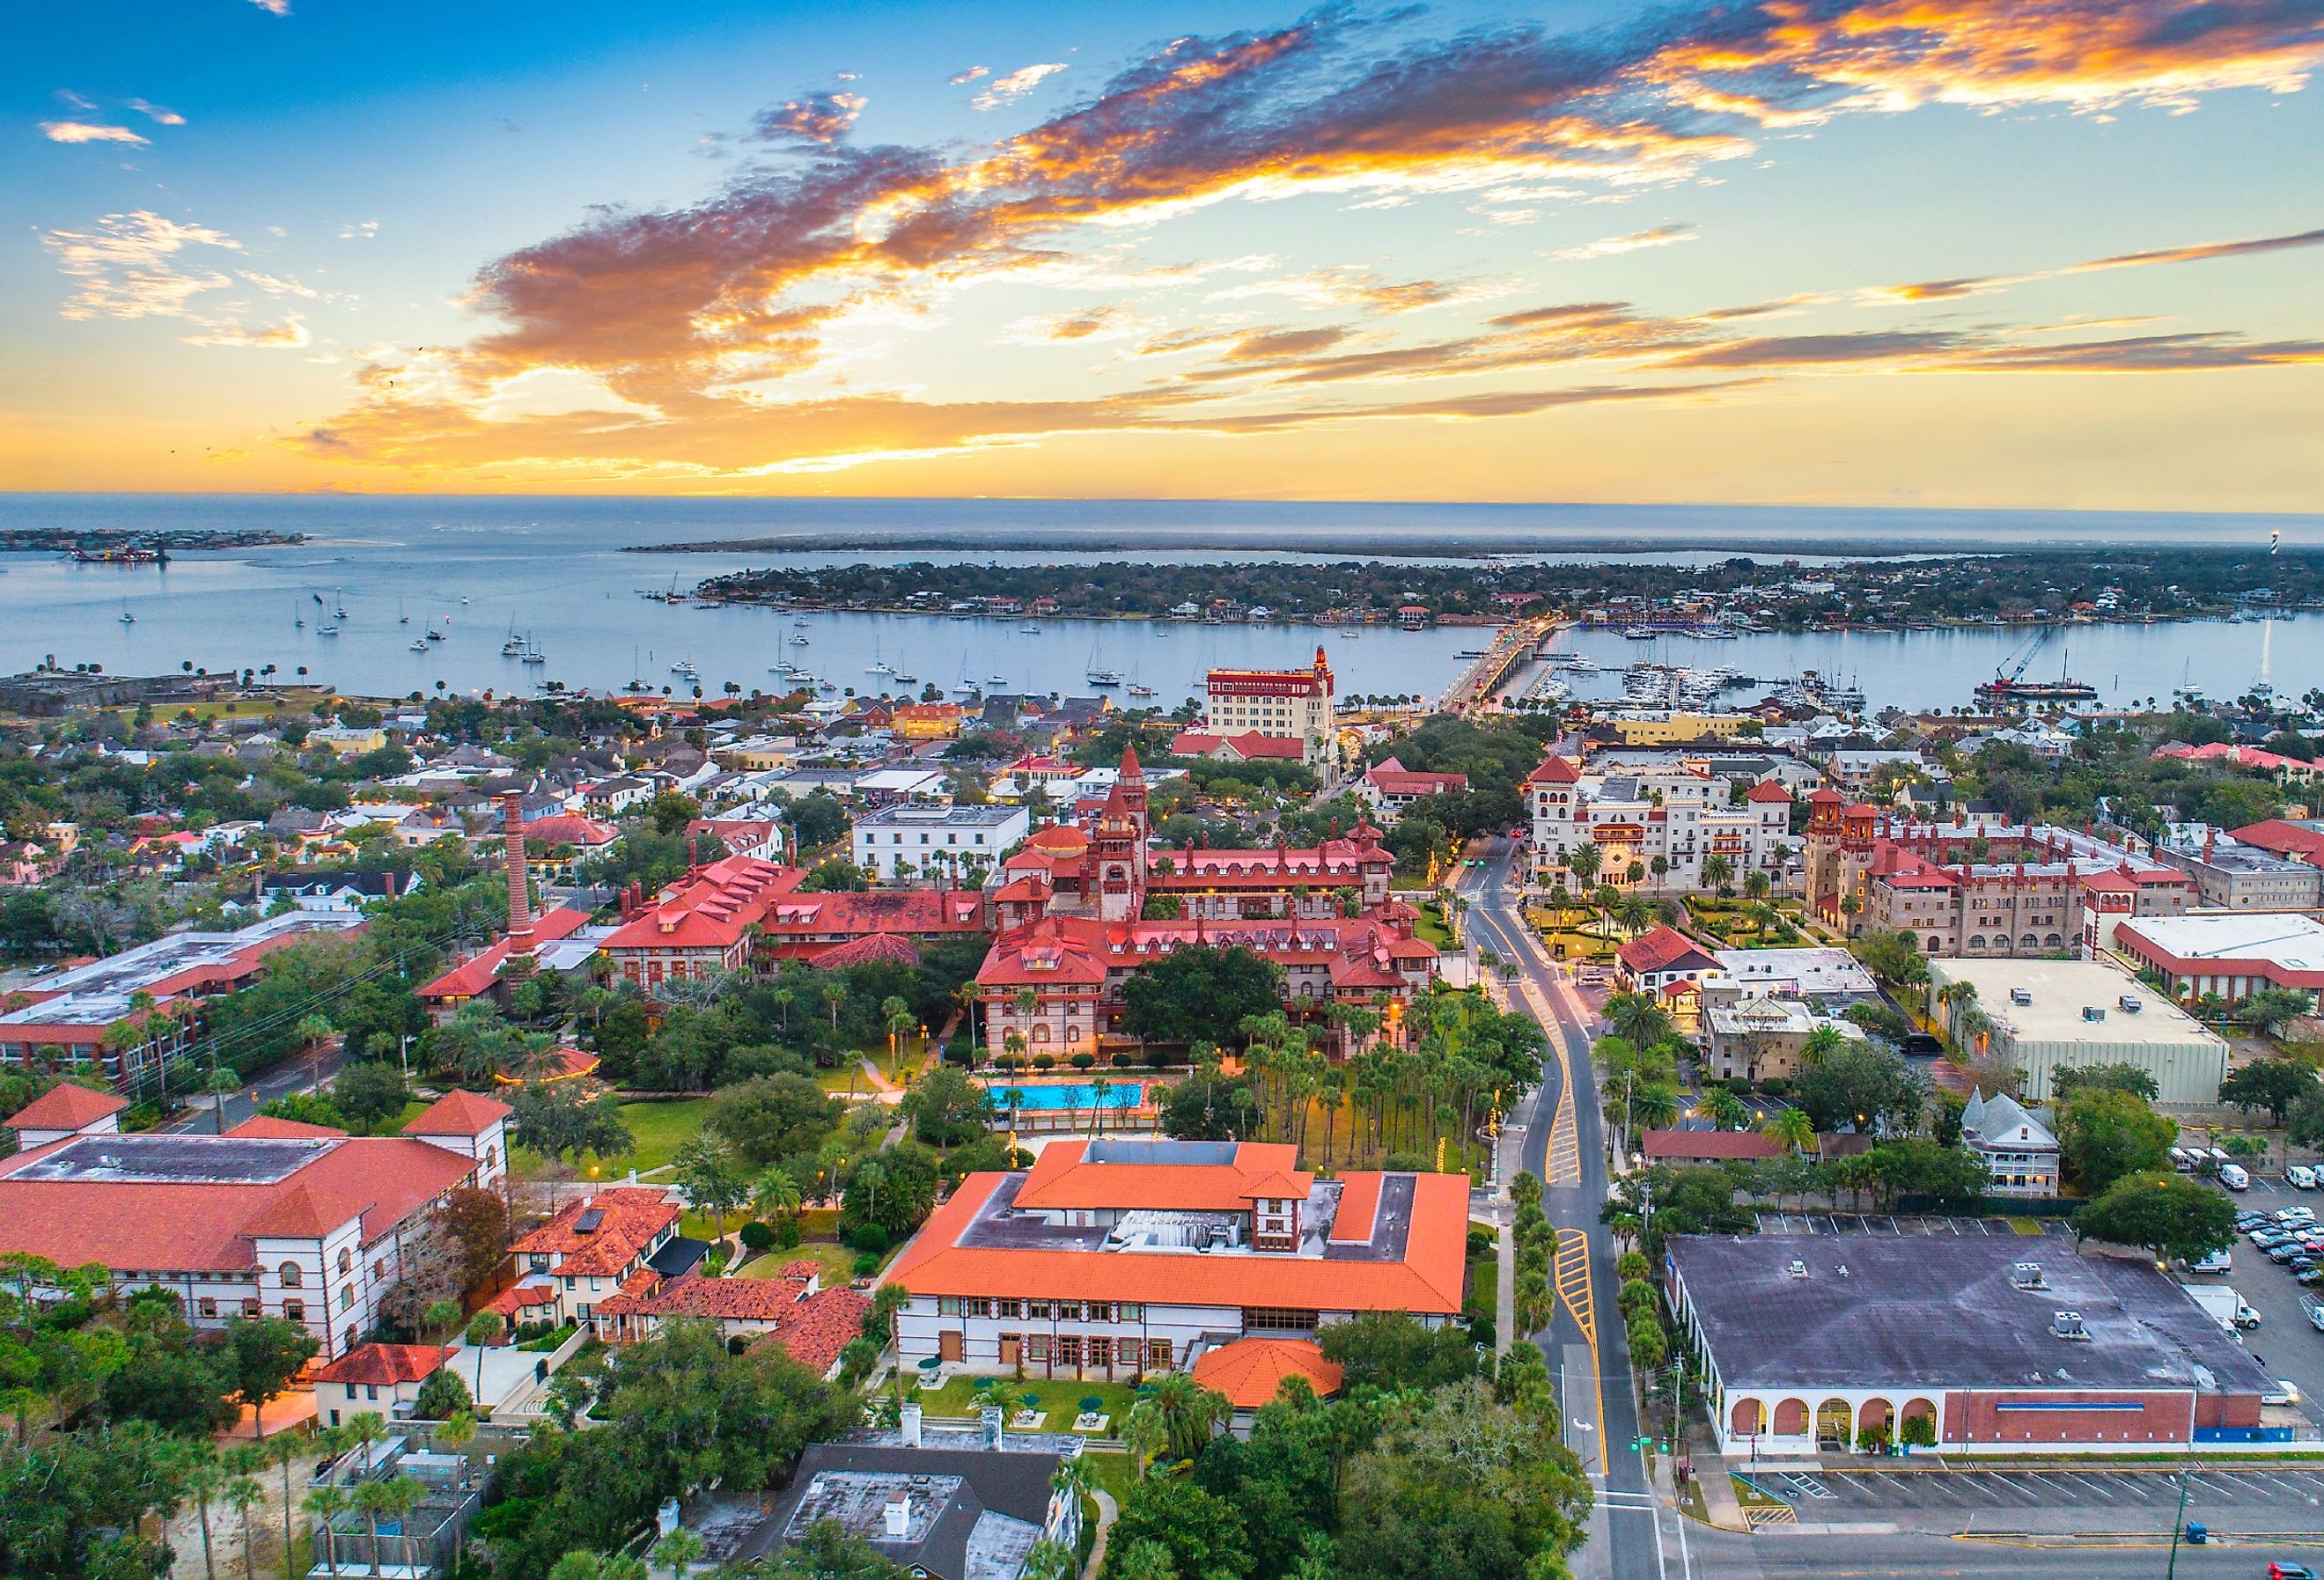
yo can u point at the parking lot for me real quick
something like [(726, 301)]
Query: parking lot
[(2255, 1498), (1900, 1224)]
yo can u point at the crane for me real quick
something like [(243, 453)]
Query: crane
[(2016, 671)]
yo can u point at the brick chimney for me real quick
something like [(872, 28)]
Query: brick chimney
[(520, 918)]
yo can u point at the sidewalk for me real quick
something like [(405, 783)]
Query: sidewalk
[(1719, 1507)]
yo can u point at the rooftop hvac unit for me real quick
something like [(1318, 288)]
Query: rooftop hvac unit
[(1798, 1270), (2021, 995), (2068, 1324), (2027, 1275), (2131, 1003), (2093, 1012)]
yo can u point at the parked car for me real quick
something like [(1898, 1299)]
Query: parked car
[(2281, 1393)]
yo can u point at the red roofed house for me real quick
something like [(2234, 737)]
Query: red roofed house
[(1127, 1257), (1389, 787), (65, 1110), (588, 1250), (1251, 746), (377, 1378), (272, 1219), (474, 1126), (1707, 1146), (1655, 959), (2296, 841), (792, 1311), (2281, 769)]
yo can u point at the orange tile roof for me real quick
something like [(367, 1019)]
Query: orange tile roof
[(633, 1218), (458, 1113), (1428, 1280), (1359, 1205), (265, 1126), (473, 976), (1250, 1370), (66, 1107), (379, 1364), (1062, 1179)]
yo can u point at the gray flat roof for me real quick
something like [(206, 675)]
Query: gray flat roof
[(175, 1160), (1941, 1313)]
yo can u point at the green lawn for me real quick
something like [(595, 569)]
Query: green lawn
[(1431, 928), (838, 1262), (661, 1125), (1485, 1285), (1061, 1399)]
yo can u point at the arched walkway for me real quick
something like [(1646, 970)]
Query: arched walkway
[(1835, 1422), (1916, 1409), (1748, 1418), (1874, 1418), (1791, 1418)]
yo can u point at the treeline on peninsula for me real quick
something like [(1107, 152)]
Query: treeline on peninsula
[(1872, 591)]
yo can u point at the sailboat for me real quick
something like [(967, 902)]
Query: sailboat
[(877, 666), (1138, 688), (1097, 674), (419, 644), (515, 646), (531, 655), (964, 686), (127, 617), (400, 617), (338, 603)]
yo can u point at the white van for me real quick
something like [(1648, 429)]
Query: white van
[(2299, 1176), (2232, 1175), (2221, 1261), (2181, 1160)]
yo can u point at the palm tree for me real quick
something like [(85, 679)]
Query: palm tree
[(1724, 1109), (1099, 1088), (243, 1493), (1791, 1128), (898, 1017), (223, 1084), (1051, 1560), (326, 1503), (282, 1448), (776, 1195), (1718, 872), (456, 1434), (834, 993), (1756, 884), (1191, 1414), (1654, 1107), (383, 1499), (1582, 861), (1636, 1019), (1819, 1045), (1142, 1432), (1635, 913), (204, 1479), (677, 1551)]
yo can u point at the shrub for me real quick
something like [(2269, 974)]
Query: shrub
[(787, 1234), (1636, 1299), (1920, 1431), (867, 1265), (1481, 1241), (757, 1236), (1091, 1404), (1157, 1059), (1631, 1264), (1122, 1061), (1483, 1328), (870, 1239), (1045, 1061), (1084, 1060), (1776, 1086)]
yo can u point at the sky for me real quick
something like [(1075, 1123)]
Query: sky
[(2063, 253)]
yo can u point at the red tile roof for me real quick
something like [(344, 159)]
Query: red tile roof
[(208, 1227), (1661, 949), (569, 829), (1555, 770), (1251, 743), (812, 1329), (458, 1113), (66, 1107), (2283, 838), (631, 1218), (1768, 791), (266, 1126), (1251, 1371), (475, 974), (868, 949), (383, 1364)]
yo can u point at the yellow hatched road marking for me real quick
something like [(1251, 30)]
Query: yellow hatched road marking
[(1570, 1271)]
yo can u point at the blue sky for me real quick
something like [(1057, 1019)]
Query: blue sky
[(1458, 252)]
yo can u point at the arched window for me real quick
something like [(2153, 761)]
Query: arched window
[(1073, 1033), (1041, 1032), (1933, 945), (2029, 942), (292, 1276), (1976, 942), (346, 1260), (493, 1154), (2054, 942)]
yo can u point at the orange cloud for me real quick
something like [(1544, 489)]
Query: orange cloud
[(89, 132)]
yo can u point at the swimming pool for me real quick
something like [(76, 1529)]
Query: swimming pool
[(1121, 1094)]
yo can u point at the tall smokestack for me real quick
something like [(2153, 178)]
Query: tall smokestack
[(520, 918)]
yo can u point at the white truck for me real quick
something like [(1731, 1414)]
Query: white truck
[(2222, 1306), (2315, 1310)]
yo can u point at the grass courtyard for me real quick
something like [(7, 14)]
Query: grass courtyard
[(660, 1126)]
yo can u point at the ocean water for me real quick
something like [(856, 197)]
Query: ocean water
[(477, 569)]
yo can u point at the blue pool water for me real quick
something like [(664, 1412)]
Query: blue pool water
[(1123, 1094)]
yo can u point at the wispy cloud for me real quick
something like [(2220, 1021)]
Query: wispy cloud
[(160, 114), (1614, 246), (973, 74), (1014, 86), (289, 335), (130, 266), (2198, 253), (274, 7), (89, 132)]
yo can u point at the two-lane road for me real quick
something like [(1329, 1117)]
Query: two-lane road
[(1587, 1346)]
